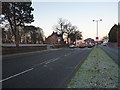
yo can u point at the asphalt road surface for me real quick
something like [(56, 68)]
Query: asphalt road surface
[(113, 52), (50, 69)]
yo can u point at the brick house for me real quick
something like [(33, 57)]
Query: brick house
[(54, 38)]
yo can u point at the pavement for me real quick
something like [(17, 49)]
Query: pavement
[(113, 52), (98, 71), (49, 69)]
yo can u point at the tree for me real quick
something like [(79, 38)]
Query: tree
[(66, 28), (34, 34), (40, 35), (76, 35), (18, 14), (30, 31), (105, 37), (3, 22), (59, 28), (113, 33), (5, 29), (69, 29)]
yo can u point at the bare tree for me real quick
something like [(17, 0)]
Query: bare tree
[(59, 28), (69, 29), (65, 27), (78, 35)]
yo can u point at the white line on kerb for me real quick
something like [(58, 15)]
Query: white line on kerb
[(16, 75)]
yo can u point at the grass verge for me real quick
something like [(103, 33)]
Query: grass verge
[(98, 71)]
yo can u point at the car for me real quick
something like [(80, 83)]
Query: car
[(82, 46), (104, 44), (72, 46), (90, 45)]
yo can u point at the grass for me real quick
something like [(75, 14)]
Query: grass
[(98, 71)]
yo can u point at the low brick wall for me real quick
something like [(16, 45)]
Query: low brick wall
[(113, 44), (13, 50), (60, 46), (21, 49)]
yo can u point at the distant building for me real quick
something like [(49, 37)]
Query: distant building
[(105, 40), (54, 38)]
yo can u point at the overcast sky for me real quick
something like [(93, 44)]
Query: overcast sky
[(81, 14)]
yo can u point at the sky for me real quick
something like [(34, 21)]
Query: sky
[(81, 14)]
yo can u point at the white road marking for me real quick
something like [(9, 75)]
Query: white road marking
[(39, 64), (16, 75), (52, 60), (67, 54), (46, 62)]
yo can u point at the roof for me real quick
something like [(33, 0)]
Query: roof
[(55, 33)]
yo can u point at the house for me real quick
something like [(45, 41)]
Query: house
[(105, 40), (54, 38)]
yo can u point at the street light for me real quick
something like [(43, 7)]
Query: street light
[(97, 29)]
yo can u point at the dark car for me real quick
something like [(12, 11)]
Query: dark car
[(90, 45)]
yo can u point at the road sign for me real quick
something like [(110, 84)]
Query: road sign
[(59, 39), (97, 37)]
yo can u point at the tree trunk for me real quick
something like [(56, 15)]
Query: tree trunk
[(68, 39), (17, 37), (16, 30)]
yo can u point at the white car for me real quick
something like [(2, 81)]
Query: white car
[(104, 44), (71, 46)]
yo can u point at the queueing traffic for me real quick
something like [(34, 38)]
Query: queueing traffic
[(82, 44)]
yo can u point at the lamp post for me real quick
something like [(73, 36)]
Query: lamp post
[(97, 29)]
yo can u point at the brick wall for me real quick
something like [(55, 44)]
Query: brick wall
[(113, 44)]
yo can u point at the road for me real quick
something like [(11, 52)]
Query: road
[(112, 52), (50, 69)]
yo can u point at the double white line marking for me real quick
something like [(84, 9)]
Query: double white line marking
[(46, 62), (16, 75)]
